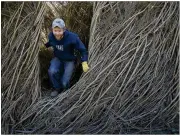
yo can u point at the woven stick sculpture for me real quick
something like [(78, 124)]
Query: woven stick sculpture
[(131, 87)]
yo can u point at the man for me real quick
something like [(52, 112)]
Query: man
[(62, 65)]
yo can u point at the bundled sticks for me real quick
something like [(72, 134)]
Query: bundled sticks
[(20, 84), (132, 84)]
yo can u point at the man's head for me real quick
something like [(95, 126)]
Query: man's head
[(58, 27)]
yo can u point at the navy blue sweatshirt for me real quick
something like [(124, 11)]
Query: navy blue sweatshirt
[(64, 48)]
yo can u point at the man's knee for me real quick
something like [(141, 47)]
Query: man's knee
[(52, 71)]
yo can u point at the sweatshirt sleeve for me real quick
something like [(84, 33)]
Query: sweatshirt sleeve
[(81, 48), (49, 40)]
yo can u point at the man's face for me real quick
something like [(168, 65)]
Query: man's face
[(58, 32)]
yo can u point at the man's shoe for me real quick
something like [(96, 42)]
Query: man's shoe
[(54, 93)]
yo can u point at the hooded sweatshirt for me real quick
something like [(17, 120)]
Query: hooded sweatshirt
[(64, 48)]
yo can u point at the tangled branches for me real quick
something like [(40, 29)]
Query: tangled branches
[(21, 27), (132, 86)]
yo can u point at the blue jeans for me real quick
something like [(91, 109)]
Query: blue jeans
[(60, 73)]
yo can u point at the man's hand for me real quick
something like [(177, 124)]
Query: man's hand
[(85, 66)]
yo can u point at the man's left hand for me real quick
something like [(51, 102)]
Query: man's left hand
[(85, 66)]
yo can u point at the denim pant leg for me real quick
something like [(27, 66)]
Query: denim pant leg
[(54, 72), (68, 70)]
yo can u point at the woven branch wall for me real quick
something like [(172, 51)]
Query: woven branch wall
[(132, 84)]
